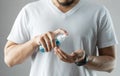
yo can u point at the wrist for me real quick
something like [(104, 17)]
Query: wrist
[(90, 58), (33, 43), (83, 61)]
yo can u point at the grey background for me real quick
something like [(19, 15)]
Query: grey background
[(8, 12)]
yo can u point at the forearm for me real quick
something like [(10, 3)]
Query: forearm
[(16, 54), (101, 63)]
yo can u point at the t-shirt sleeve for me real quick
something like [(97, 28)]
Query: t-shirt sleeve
[(19, 32), (106, 33)]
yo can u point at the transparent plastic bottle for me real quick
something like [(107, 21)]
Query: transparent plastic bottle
[(59, 39)]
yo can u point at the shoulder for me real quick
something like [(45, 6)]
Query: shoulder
[(34, 5), (93, 5), (98, 9)]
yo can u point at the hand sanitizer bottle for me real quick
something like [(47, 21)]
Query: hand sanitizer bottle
[(59, 39)]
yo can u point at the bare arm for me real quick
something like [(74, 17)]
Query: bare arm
[(17, 53), (104, 62)]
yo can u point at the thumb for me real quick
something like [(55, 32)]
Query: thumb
[(60, 31), (73, 54)]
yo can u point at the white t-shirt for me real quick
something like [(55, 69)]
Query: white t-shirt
[(89, 26)]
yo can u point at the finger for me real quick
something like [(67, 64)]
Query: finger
[(43, 43), (68, 59), (80, 55), (73, 55), (52, 39), (79, 51), (60, 57), (79, 59), (57, 51), (47, 40), (60, 31), (62, 53)]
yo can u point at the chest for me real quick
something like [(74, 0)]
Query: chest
[(77, 26)]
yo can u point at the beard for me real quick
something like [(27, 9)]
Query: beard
[(66, 3)]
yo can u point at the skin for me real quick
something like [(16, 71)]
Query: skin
[(64, 9), (65, 3), (104, 62), (16, 53)]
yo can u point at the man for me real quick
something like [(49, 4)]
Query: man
[(90, 44)]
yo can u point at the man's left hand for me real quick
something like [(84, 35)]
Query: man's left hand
[(75, 56)]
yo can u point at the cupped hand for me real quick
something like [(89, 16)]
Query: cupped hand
[(75, 56)]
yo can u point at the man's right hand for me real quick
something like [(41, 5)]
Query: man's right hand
[(16, 53), (47, 40)]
